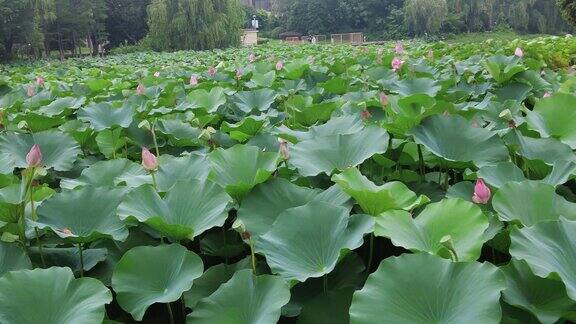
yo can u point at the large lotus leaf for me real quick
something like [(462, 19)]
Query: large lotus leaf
[(60, 105), (211, 280), (259, 100), (545, 298), (409, 87), (317, 305), (89, 213), (463, 221), (422, 288), (548, 150), (146, 275), (555, 117), (210, 101), (172, 169), (530, 202), (69, 257), (179, 132), (454, 139), (503, 68), (500, 174), (240, 168), (299, 252), (59, 150), (562, 171), (189, 209), (245, 129), (108, 173), (109, 141), (336, 126), (374, 199), (260, 209), (103, 116), (244, 299), (338, 152), (549, 248), (51, 296), (12, 257)]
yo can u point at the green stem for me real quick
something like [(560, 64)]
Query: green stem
[(154, 180), (40, 247), (183, 308), (371, 251), (170, 313), (421, 160), (253, 256), (325, 283), (81, 260), (153, 131)]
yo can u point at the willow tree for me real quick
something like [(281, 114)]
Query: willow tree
[(425, 16), (194, 24), (568, 8)]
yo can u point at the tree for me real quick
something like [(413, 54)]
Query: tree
[(194, 24), (425, 16), (568, 8), (126, 21)]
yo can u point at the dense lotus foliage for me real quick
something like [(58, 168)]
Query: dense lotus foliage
[(396, 183)]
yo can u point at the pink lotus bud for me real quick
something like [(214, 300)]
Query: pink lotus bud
[(284, 148), (366, 114), (149, 160), (40, 81), (193, 80), (279, 65), (252, 57), (31, 91), (430, 54), (34, 156), (547, 94), (140, 89), (212, 71), (156, 74), (239, 74), (399, 47), (519, 52), (482, 193), (383, 99), (397, 64)]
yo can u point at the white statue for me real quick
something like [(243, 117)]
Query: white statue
[(255, 23)]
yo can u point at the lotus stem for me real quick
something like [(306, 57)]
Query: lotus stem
[(154, 180), (421, 162), (253, 256), (81, 260), (170, 313), (370, 252), (325, 283), (153, 131)]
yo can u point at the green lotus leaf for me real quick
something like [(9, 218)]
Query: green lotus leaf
[(259, 100), (337, 152), (422, 288), (109, 141), (60, 105), (545, 298), (210, 101), (555, 117), (109, 173), (172, 169), (245, 129), (549, 248), (89, 213), (262, 79), (562, 171), (461, 220), (211, 280), (454, 139), (345, 125), (408, 87), (530, 202), (240, 168), (56, 296), (189, 209), (548, 150), (179, 132), (69, 257), (12, 257), (503, 68), (103, 116), (59, 150), (260, 209), (244, 299), (146, 275), (222, 243), (299, 252), (331, 306), (500, 174), (374, 199)]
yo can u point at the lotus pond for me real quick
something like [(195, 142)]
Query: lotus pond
[(416, 183)]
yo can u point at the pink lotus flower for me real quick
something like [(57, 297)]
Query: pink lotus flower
[(383, 99), (519, 52), (149, 160), (547, 94), (193, 80), (140, 89), (284, 148), (482, 193), (252, 57), (279, 65), (30, 91), (397, 64), (40, 81), (366, 114), (212, 71), (399, 47), (239, 74), (34, 156), (156, 74)]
